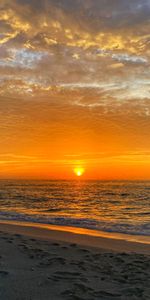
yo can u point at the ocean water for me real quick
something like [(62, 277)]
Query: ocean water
[(110, 206)]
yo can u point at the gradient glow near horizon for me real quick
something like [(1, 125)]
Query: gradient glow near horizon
[(75, 88)]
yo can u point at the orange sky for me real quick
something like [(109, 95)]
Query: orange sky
[(75, 89)]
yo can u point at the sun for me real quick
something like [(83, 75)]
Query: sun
[(79, 171)]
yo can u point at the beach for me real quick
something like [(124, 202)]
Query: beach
[(41, 262)]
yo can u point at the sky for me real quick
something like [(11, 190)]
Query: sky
[(75, 89)]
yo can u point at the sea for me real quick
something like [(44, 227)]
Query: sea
[(108, 206)]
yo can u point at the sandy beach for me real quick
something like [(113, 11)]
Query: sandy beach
[(38, 263)]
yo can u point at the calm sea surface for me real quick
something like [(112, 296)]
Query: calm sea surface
[(110, 206)]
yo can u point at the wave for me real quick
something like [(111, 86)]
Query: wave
[(138, 229), (52, 210)]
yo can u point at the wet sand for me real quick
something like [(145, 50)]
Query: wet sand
[(38, 263)]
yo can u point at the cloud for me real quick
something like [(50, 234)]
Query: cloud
[(73, 73)]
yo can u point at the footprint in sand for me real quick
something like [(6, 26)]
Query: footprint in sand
[(66, 275), (73, 245), (64, 247), (18, 235), (3, 273), (55, 244)]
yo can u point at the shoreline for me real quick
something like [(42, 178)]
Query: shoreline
[(84, 237), (40, 263)]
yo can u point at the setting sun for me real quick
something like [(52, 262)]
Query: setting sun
[(79, 171)]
